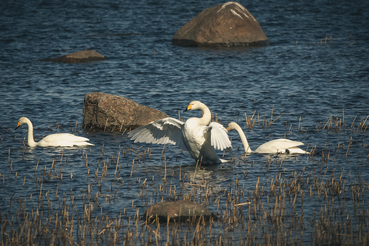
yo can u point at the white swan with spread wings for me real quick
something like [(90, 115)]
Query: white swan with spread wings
[(198, 136)]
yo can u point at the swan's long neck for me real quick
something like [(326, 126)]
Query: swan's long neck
[(245, 144), (206, 115), (31, 141)]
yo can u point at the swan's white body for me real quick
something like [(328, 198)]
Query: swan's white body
[(283, 146), (53, 140), (198, 136)]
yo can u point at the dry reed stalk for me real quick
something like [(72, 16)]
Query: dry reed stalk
[(194, 175), (271, 122), (162, 152), (133, 163), (249, 120), (328, 122), (118, 189), (116, 166), (241, 204), (257, 187), (264, 121), (361, 126), (165, 169), (348, 147), (57, 187), (179, 176), (352, 124), (289, 130)]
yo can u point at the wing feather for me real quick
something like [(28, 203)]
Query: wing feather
[(163, 131), (219, 136)]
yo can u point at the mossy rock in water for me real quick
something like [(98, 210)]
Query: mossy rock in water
[(177, 211), (79, 56), (225, 25), (107, 112)]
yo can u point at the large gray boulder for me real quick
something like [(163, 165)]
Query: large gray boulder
[(181, 210), (79, 56), (225, 25), (102, 111)]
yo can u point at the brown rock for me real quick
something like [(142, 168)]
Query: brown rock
[(180, 210), (225, 25), (102, 111), (79, 56)]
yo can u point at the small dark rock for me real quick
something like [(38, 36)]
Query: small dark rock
[(102, 111), (181, 210), (79, 56), (225, 25)]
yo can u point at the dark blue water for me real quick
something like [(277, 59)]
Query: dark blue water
[(295, 76)]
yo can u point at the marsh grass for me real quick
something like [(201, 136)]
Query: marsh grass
[(268, 203)]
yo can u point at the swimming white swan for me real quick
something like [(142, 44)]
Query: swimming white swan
[(53, 140), (198, 136), (284, 146)]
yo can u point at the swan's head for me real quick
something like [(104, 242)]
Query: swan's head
[(22, 121), (194, 105), (232, 126)]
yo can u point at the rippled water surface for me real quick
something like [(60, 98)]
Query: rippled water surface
[(301, 76)]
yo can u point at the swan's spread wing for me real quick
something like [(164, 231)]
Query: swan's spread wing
[(280, 146), (219, 136), (167, 130)]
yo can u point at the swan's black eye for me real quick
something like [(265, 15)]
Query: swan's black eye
[(287, 151)]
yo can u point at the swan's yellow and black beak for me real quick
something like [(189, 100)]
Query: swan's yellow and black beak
[(18, 125), (189, 107)]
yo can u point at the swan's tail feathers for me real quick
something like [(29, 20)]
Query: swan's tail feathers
[(84, 144), (79, 141), (296, 151), (71, 144), (224, 161)]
